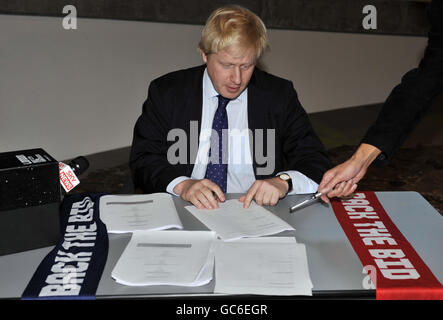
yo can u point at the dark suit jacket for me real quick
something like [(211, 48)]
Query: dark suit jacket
[(175, 99), (408, 101)]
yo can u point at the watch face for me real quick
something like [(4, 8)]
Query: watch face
[(285, 176)]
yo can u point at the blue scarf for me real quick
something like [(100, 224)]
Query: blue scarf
[(72, 270)]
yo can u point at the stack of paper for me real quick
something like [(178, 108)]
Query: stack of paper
[(231, 221), (181, 258), (127, 213), (265, 265), (269, 266)]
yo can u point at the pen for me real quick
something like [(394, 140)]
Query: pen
[(309, 200)]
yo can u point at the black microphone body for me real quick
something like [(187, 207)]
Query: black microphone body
[(79, 165)]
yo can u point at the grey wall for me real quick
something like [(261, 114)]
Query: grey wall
[(77, 92)]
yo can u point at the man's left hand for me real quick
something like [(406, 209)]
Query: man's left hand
[(265, 192)]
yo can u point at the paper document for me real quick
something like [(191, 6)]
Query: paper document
[(180, 258), (267, 266), (127, 213), (231, 221)]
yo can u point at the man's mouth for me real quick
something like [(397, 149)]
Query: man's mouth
[(233, 89)]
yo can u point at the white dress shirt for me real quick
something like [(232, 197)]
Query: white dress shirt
[(240, 171)]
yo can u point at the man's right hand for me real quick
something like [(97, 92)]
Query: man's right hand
[(204, 194)]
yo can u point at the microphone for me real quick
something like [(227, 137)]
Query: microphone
[(79, 165), (69, 172)]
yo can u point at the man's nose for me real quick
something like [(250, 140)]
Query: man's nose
[(236, 76)]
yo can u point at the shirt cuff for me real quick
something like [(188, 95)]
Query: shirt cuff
[(170, 187), (301, 184)]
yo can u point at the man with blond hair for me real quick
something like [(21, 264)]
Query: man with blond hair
[(254, 137)]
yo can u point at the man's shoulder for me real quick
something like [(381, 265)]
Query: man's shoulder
[(272, 84), (181, 77), (265, 80)]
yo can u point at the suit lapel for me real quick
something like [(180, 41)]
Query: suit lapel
[(194, 98), (257, 110), (256, 116), (194, 105)]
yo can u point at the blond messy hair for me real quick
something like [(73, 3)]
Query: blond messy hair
[(233, 25)]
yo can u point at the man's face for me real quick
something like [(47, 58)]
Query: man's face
[(230, 70)]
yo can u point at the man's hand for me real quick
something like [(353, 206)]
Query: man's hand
[(204, 194), (342, 180), (265, 192)]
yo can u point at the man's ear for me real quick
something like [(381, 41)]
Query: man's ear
[(204, 57)]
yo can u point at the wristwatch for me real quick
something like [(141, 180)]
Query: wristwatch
[(286, 177)]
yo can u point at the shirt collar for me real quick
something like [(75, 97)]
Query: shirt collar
[(210, 92)]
